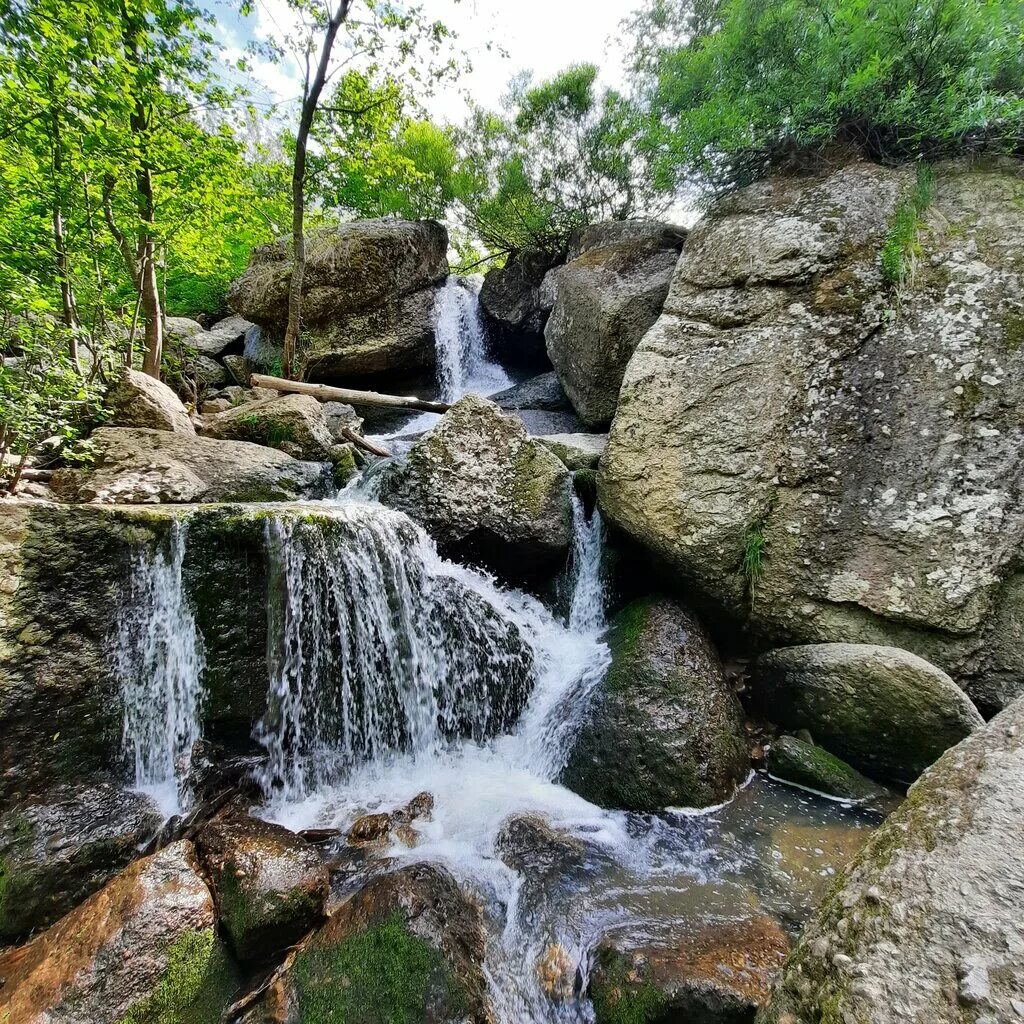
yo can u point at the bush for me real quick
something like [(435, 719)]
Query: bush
[(749, 84)]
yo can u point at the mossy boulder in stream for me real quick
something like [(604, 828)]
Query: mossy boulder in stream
[(143, 950), (925, 925), (271, 885), (666, 729), (794, 760), (886, 711)]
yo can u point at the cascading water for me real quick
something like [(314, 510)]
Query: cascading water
[(586, 606), (159, 662)]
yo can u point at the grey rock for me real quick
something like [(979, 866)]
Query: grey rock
[(338, 417), (208, 372), (485, 490), (138, 400), (238, 368), (295, 421), (886, 711), (928, 914), (66, 844), (666, 729), (612, 232), (785, 393), (605, 300), (179, 327), (529, 844), (136, 466), (225, 334), (542, 392), (577, 451)]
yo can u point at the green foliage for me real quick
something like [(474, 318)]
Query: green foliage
[(561, 154), (737, 85), (753, 557), (901, 248), (266, 431), (195, 989), (382, 975), (621, 998)]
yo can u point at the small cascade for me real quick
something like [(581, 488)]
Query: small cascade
[(586, 607), (462, 362), (379, 646), (159, 662)]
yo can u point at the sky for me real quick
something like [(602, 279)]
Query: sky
[(542, 36)]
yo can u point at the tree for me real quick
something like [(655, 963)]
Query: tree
[(560, 155), (737, 87)]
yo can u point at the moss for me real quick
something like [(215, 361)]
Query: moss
[(1013, 331), (627, 630), (265, 430), (195, 989), (343, 461), (621, 997), (383, 975)]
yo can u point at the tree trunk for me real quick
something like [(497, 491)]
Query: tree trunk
[(310, 99), (149, 289), (329, 393), (67, 295)]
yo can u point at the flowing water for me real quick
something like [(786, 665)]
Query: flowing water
[(159, 662)]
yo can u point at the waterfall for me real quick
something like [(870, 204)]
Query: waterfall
[(586, 607), (159, 662), (379, 646), (461, 344)]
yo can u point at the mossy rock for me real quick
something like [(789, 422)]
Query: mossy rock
[(813, 767), (666, 729)]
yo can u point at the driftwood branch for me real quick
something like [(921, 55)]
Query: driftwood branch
[(327, 393), (360, 442)]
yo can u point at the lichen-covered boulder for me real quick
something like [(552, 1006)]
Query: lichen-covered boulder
[(486, 491), (143, 949), (612, 232), (605, 300), (368, 293), (138, 400), (576, 451), (886, 711), (925, 924), (138, 466), (409, 945), (513, 306), (719, 974), (666, 729), (61, 847), (805, 764), (271, 885), (296, 423), (793, 403)]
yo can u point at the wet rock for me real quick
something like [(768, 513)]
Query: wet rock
[(369, 828), (421, 807), (666, 728), (557, 973), (368, 294), (886, 711), (138, 400), (297, 421), (136, 466), (377, 828), (779, 399), (576, 451), (213, 771), (61, 848), (720, 974), (144, 948), (513, 305), (407, 946), (925, 924), (271, 885), (542, 393), (485, 491), (529, 844), (793, 760), (605, 300)]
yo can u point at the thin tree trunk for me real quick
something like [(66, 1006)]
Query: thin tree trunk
[(311, 97), (67, 294), (149, 289)]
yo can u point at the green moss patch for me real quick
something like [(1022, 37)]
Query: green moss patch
[(621, 998), (383, 975)]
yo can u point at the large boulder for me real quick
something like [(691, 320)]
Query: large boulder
[(63, 846), (513, 306), (144, 948), (886, 711), (271, 885), (409, 945), (825, 456), (368, 294), (486, 491), (605, 300), (296, 423), (542, 393), (925, 924), (666, 729), (138, 400), (138, 466), (719, 974)]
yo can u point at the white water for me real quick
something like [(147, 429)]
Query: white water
[(159, 662), (463, 365)]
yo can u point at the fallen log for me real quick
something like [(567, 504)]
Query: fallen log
[(360, 442), (327, 393)]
